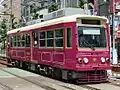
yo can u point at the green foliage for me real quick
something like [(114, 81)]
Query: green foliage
[(81, 3), (4, 28), (3, 32), (53, 7), (35, 16)]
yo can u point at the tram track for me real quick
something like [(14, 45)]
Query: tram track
[(89, 87), (40, 84), (3, 62), (5, 87), (83, 86), (30, 81), (114, 82), (45, 86)]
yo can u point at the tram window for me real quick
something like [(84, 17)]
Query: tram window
[(50, 38), (92, 22), (27, 40), (23, 41), (59, 33), (42, 35), (18, 40), (59, 38), (14, 41), (42, 39), (69, 39), (35, 39), (42, 43), (11, 41)]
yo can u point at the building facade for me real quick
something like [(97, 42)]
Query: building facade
[(111, 9), (33, 9), (36, 9), (11, 11)]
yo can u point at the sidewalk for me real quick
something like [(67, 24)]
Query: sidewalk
[(2, 55), (115, 72)]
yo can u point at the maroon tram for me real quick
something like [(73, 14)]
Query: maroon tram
[(74, 47)]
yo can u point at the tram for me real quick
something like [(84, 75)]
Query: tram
[(75, 47)]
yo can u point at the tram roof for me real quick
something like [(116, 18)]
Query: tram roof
[(71, 18)]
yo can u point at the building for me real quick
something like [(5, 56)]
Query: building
[(33, 11), (111, 9), (11, 11)]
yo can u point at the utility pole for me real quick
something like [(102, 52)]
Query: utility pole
[(11, 23), (114, 51)]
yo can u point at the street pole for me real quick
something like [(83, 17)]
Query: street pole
[(114, 51), (11, 23), (113, 18)]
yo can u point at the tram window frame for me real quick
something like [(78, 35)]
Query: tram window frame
[(23, 41), (42, 38), (27, 40), (50, 38), (14, 41), (69, 37), (35, 36), (59, 36)]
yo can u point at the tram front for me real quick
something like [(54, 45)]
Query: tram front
[(93, 54)]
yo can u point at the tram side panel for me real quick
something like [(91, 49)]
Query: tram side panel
[(54, 55)]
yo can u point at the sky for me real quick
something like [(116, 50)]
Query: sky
[(0, 5), (1, 1)]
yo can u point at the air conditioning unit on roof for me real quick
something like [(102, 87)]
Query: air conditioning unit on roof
[(66, 12)]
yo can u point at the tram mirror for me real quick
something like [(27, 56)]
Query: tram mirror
[(8, 44)]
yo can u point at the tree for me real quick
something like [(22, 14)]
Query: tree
[(35, 16), (53, 7), (82, 3), (3, 32)]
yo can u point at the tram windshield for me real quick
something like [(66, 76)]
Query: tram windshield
[(91, 37)]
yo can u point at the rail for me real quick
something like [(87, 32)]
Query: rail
[(31, 81)]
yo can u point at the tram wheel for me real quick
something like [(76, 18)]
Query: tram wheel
[(57, 73), (69, 75)]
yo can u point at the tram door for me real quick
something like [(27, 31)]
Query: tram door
[(34, 47)]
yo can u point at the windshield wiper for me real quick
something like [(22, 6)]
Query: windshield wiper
[(92, 47), (85, 43), (89, 45)]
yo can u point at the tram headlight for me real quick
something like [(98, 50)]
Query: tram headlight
[(107, 60), (79, 60), (102, 59), (85, 60)]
